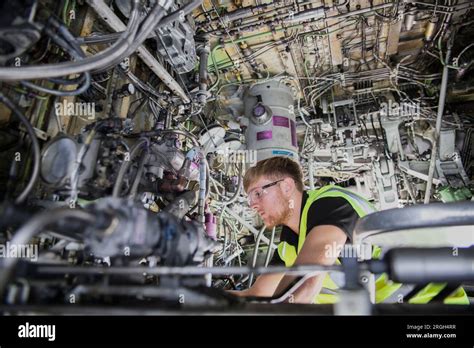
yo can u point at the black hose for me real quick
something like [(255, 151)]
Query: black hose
[(187, 9), (152, 20), (34, 143), (73, 81), (84, 87), (384, 139), (69, 44), (373, 127), (98, 61), (164, 131), (136, 182), (125, 165)]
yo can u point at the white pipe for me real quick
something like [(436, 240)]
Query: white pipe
[(248, 226)]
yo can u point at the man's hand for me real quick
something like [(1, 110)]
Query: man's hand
[(320, 248), (264, 286)]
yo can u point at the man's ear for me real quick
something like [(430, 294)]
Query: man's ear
[(288, 187)]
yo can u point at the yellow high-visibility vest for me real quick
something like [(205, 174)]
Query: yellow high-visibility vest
[(385, 290)]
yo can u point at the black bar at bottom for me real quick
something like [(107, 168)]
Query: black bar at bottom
[(139, 331)]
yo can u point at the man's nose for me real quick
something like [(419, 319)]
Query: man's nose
[(254, 205)]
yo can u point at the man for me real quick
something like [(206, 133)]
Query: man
[(316, 225), (276, 191)]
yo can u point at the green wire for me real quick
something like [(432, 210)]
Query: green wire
[(217, 71), (441, 58), (317, 33), (22, 91), (66, 5), (66, 17), (226, 64), (244, 81)]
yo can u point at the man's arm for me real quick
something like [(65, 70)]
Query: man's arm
[(319, 241), (264, 286)]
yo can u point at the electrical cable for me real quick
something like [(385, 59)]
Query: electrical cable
[(67, 42), (134, 150), (105, 38), (98, 61), (34, 143)]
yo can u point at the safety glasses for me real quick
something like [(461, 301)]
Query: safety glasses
[(256, 194)]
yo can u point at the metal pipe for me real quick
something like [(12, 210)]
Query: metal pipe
[(125, 165), (442, 101), (209, 262), (203, 52), (188, 270), (223, 227), (154, 133), (243, 12), (361, 11), (136, 182), (435, 4), (117, 25), (272, 238), (233, 256), (314, 16), (255, 254), (293, 288), (409, 189), (202, 188)]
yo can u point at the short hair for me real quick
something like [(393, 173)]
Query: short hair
[(275, 168)]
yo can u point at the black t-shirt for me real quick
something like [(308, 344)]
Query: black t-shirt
[(334, 211)]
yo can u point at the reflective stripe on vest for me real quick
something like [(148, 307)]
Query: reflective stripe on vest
[(386, 290)]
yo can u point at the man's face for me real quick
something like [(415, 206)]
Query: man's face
[(272, 206)]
